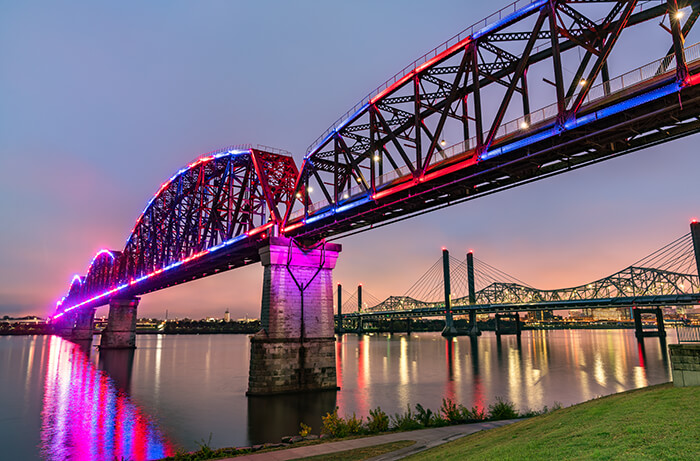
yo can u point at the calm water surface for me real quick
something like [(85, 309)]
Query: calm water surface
[(60, 400)]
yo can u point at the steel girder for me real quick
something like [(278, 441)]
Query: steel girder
[(383, 159)]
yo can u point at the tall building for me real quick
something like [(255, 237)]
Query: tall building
[(227, 316)]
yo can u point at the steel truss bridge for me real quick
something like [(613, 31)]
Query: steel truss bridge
[(389, 158), (667, 277)]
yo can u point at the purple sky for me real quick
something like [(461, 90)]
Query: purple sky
[(103, 101)]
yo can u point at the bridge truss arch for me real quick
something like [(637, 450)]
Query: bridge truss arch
[(221, 198), (426, 138)]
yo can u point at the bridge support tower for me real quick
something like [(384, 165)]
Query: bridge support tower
[(515, 330), (120, 332), (295, 350), (639, 330), (473, 328), (84, 325), (359, 328), (449, 329), (339, 328), (64, 325), (695, 234)]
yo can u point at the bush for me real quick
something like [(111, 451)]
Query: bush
[(453, 415), (474, 415), (334, 425), (354, 425), (377, 421), (502, 410), (405, 421), (304, 430), (423, 415)]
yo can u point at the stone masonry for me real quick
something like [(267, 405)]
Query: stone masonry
[(685, 364), (295, 350), (84, 321), (120, 332)]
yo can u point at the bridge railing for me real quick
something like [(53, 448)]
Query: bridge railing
[(688, 334), (545, 114)]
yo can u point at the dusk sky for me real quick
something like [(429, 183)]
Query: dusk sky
[(100, 102)]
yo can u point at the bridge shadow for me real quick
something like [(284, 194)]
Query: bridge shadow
[(272, 417), (83, 345)]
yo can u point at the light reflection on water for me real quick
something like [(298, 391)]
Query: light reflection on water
[(87, 416), (63, 400)]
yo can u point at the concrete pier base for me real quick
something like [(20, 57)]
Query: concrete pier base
[(281, 366), (295, 350), (120, 332), (84, 324), (473, 328), (449, 331)]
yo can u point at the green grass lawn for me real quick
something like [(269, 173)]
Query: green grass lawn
[(658, 422)]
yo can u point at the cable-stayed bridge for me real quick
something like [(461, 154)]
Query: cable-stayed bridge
[(538, 88), (666, 277)]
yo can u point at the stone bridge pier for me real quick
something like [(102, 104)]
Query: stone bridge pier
[(84, 324), (295, 350), (120, 332)]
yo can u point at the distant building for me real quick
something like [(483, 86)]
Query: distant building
[(544, 315), (29, 320), (619, 313), (227, 316)]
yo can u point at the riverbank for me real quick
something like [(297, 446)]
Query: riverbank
[(656, 422)]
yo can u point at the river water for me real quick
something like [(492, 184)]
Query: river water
[(60, 400)]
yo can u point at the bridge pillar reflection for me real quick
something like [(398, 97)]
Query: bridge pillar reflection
[(295, 350), (120, 332), (84, 324)]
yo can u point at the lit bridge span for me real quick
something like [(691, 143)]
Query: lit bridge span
[(490, 109), (667, 277)]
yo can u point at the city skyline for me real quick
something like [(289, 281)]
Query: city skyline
[(104, 105)]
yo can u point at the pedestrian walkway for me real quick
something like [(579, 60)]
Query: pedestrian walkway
[(424, 438)]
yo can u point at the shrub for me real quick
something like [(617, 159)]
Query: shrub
[(423, 415), (502, 410), (476, 414), (354, 425), (377, 421), (334, 425), (205, 447), (452, 414), (304, 430), (405, 421)]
